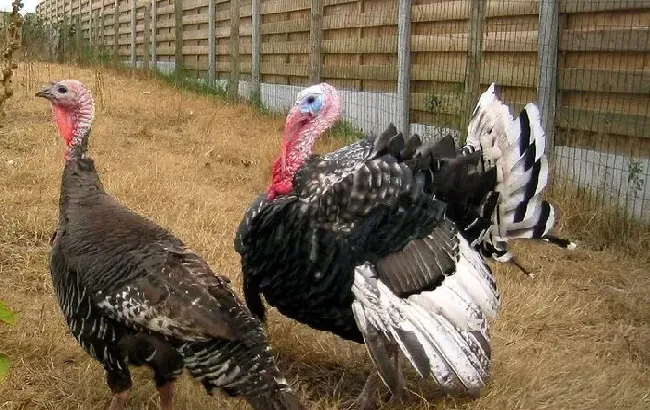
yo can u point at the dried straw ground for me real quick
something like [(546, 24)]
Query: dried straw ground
[(576, 337)]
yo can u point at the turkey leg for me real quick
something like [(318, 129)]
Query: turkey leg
[(166, 392), (118, 402), (397, 392)]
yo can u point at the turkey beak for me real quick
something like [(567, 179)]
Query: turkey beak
[(298, 116), (306, 112), (45, 93)]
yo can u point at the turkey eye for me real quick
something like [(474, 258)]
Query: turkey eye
[(311, 99), (62, 90)]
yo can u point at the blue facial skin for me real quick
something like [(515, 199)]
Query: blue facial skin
[(311, 105)]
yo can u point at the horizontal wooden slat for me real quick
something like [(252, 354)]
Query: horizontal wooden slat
[(165, 24), (611, 39), (196, 34), (165, 51), (166, 37), (195, 50), (503, 74), (284, 6), (295, 70), (590, 6), (168, 9), (286, 47), (193, 4), (244, 48), (360, 72), (604, 122), (196, 19), (459, 10), (605, 81), (335, 2), (364, 45), (290, 26), (359, 20)]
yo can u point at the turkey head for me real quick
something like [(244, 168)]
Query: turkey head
[(317, 109), (74, 110)]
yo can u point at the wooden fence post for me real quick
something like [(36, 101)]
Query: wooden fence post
[(154, 35), (315, 41), (77, 34), (256, 51), (102, 40), (178, 45), (404, 67), (116, 32), (474, 62), (212, 64), (134, 15), (100, 29), (549, 16), (233, 88), (91, 33), (80, 36), (178, 41), (97, 21), (146, 38)]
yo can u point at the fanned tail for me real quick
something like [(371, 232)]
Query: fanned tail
[(515, 149), (443, 332)]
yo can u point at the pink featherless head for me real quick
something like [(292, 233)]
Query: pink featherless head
[(317, 109), (69, 94), (74, 110)]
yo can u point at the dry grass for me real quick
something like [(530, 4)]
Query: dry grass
[(576, 337)]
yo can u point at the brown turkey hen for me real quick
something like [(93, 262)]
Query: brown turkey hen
[(132, 293)]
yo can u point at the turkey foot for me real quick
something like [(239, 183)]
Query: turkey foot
[(367, 399), (118, 402), (521, 267), (166, 392)]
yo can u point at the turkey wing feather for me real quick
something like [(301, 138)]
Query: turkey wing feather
[(145, 278)]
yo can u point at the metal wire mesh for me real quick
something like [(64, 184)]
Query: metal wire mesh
[(590, 69)]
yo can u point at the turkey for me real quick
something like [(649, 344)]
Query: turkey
[(373, 242), (133, 294)]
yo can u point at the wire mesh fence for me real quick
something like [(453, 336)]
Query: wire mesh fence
[(420, 64)]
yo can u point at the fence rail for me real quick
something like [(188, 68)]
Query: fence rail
[(418, 62)]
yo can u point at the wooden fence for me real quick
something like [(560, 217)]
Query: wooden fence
[(587, 64)]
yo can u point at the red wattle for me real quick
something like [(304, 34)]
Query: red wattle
[(65, 124)]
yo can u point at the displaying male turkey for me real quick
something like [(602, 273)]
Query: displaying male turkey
[(364, 242), (132, 293)]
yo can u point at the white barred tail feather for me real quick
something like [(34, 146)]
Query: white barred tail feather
[(516, 148), (443, 332)]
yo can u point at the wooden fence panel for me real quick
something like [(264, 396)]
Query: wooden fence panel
[(284, 35), (604, 75), (603, 63)]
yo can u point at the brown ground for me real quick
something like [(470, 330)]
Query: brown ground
[(578, 336)]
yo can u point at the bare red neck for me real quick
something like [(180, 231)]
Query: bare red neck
[(296, 148), (74, 126)]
